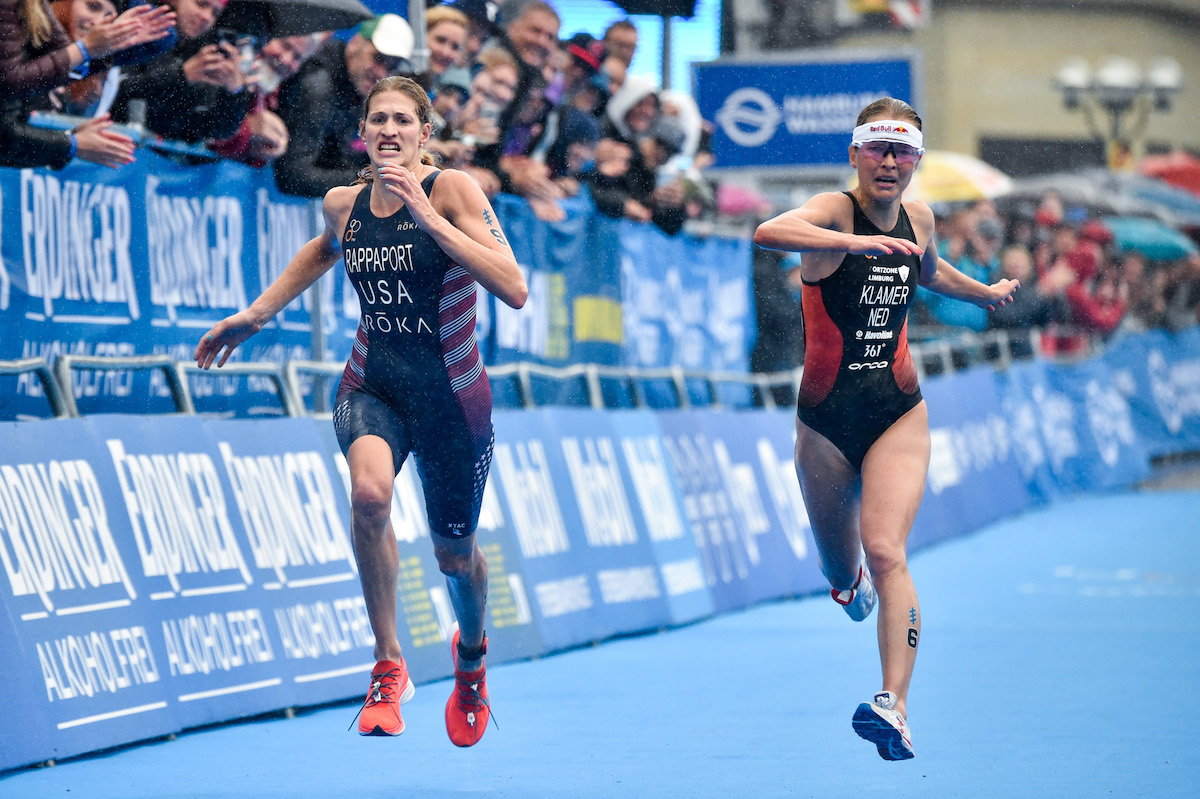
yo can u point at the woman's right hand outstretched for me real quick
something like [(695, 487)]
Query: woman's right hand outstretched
[(882, 245), (225, 335)]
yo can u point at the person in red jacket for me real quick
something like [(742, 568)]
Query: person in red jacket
[(1097, 296)]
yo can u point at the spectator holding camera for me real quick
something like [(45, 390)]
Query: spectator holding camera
[(194, 92), (93, 95), (636, 125), (475, 122), (262, 137)]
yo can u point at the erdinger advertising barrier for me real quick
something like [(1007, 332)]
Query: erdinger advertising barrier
[(84, 662), (144, 259), (141, 261), (166, 572), (798, 112)]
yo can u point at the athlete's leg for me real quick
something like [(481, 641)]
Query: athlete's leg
[(830, 487), (372, 473), (453, 475), (466, 578), (893, 482)]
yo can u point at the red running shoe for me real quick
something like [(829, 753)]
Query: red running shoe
[(467, 709), (390, 688)]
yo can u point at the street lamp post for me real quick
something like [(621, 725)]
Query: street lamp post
[(1124, 93)]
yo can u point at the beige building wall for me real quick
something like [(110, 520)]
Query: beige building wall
[(989, 67)]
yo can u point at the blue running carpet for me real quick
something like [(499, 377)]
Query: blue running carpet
[(1060, 658)]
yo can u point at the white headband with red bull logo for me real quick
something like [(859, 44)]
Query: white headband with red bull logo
[(889, 130)]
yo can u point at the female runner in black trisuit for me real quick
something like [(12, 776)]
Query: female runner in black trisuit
[(862, 431)]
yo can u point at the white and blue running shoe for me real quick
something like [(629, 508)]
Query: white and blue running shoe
[(858, 601), (879, 723)]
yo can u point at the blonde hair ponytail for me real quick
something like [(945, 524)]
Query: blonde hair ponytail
[(37, 21)]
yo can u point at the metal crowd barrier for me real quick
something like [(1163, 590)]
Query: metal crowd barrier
[(289, 401), (176, 374), (109, 363), (50, 386), (767, 390)]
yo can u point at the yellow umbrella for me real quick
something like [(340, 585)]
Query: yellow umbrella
[(948, 177)]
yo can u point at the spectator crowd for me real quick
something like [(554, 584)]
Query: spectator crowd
[(520, 109), (1079, 283), (523, 110)]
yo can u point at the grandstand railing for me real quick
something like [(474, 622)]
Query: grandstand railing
[(766, 390)]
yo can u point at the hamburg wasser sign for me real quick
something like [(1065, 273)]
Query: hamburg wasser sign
[(799, 112)]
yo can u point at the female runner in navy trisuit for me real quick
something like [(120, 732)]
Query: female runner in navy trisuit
[(415, 241), (862, 431)]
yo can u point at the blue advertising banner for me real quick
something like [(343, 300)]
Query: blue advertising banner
[(1110, 453), (800, 112), (688, 302), (292, 506), (753, 457), (1041, 427), (593, 571), (527, 470), (573, 311), (86, 668), (141, 261), (660, 515), (974, 474), (1159, 374), (753, 546)]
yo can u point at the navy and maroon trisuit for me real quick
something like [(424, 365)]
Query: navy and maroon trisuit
[(415, 377)]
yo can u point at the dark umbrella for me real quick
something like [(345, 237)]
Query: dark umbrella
[(273, 18), (662, 8)]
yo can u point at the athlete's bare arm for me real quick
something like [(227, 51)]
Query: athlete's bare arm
[(460, 219), (313, 260), (938, 274), (823, 229)]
